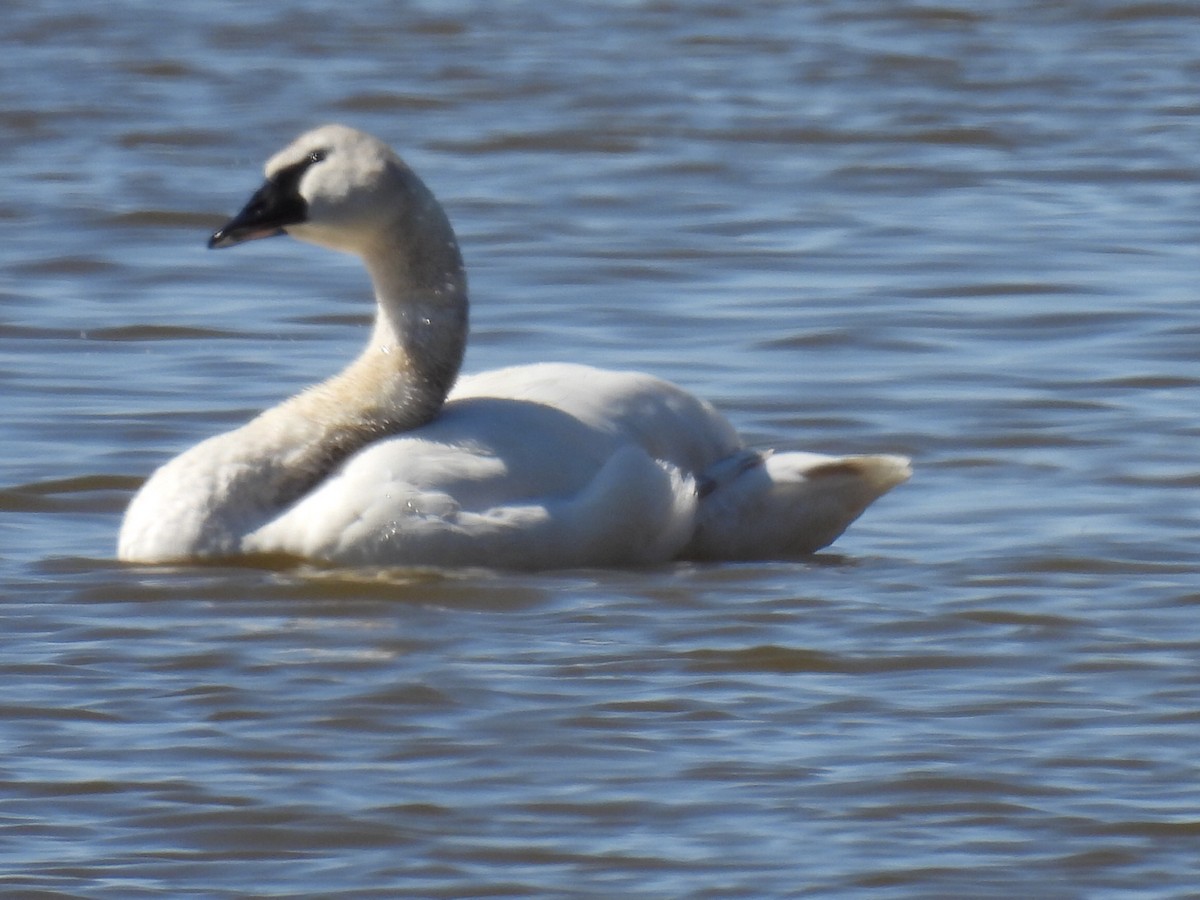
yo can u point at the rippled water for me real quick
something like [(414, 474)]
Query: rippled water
[(965, 232)]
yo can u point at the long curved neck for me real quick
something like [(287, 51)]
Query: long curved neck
[(398, 382), (420, 330), (402, 377)]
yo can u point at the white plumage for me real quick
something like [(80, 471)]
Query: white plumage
[(538, 466)]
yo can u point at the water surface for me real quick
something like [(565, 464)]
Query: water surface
[(968, 235)]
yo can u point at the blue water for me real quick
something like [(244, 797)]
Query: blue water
[(960, 232)]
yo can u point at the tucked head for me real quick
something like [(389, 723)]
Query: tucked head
[(334, 186)]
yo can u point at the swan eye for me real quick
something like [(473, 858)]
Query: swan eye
[(317, 156)]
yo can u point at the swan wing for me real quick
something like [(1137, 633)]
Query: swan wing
[(493, 481)]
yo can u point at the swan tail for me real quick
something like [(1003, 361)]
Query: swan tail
[(770, 505)]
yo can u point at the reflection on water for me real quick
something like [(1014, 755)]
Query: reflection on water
[(962, 234)]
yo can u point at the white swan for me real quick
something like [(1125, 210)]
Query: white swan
[(539, 466)]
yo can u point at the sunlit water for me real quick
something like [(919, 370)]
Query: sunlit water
[(965, 232)]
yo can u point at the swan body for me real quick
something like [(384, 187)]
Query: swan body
[(537, 466)]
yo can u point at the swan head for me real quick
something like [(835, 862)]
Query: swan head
[(334, 186)]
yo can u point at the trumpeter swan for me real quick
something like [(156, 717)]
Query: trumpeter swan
[(539, 466)]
